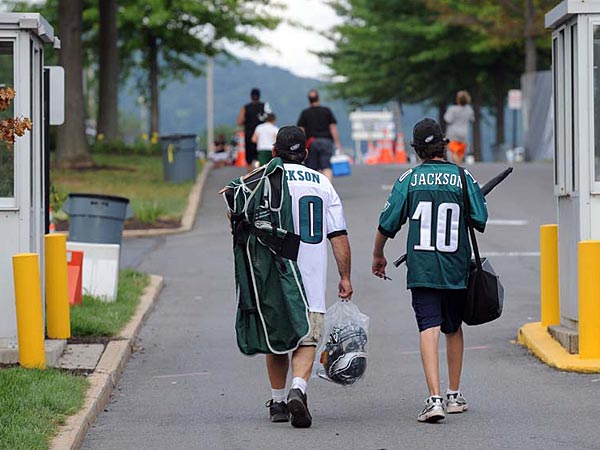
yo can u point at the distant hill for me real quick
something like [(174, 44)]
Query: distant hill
[(183, 103)]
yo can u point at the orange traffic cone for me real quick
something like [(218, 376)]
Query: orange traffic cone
[(400, 150), (386, 156), (240, 160)]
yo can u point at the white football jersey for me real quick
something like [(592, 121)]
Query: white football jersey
[(266, 134), (318, 215)]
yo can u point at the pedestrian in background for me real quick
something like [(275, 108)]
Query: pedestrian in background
[(251, 115), (320, 126), (264, 138), (430, 197), (458, 117)]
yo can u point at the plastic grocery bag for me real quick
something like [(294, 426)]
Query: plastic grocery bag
[(343, 353)]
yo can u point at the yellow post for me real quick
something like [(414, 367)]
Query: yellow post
[(58, 315), (589, 299), (549, 290), (28, 299)]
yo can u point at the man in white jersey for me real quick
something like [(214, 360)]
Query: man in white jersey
[(318, 217)]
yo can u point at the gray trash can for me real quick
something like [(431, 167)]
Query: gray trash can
[(179, 157), (97, 218)]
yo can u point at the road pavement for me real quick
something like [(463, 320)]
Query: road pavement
[(189, 387)]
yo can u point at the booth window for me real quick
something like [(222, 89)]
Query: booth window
[(7, 161), (597, 102)]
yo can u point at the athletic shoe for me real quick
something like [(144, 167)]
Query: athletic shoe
[(278, 411), (298, 408), (433, 410), (456, 403)]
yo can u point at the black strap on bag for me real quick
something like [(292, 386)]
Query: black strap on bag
[(485, 294)]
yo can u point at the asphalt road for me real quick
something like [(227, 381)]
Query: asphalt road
[(189, 387)]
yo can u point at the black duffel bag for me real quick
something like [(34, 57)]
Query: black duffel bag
[(485, 293)]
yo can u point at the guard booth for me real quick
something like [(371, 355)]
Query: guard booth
[(22, 166), (576, 84)]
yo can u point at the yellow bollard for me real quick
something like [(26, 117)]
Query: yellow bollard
[(549, 290), (589, 299), (28, 299), (58, 315)]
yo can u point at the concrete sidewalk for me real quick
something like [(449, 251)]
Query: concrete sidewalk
[(190, 388)]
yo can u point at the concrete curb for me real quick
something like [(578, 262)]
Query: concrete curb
[(537, 339), (107, 373), (189, 216)]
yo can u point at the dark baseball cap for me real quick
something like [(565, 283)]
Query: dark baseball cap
[(290, 139), (426, 132), (255, 92)]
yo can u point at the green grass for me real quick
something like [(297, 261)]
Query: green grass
[(95, 318), (139, 178), (33, 403)]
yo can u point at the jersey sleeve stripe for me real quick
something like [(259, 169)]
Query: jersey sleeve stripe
[(337, 233), (386, 233)]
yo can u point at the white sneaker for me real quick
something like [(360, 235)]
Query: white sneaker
[(433, 410), (456, 403)]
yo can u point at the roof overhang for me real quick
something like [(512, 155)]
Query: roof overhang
[(34, 22), (568, 8)]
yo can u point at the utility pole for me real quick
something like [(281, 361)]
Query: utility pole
[(210, 107)]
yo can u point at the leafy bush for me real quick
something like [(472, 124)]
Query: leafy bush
[(148, 211)]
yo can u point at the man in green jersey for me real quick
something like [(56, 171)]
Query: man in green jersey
[(430, 197)]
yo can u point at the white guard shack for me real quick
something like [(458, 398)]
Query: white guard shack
[(371, 126), (22, 168), (576, 84)]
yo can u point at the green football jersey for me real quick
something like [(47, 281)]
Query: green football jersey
[(430, 197)]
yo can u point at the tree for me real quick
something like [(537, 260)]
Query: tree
[(108, 63), (72, 147), (163, 38)]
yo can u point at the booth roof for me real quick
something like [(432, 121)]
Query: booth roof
[(28, 21)]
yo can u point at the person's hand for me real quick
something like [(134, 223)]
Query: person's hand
[(378, 267), (345, 290)]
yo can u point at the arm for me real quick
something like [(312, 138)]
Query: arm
[(341, 251), (379, 261), (255, 137), (336, 137), (241, 116), (448, 117)]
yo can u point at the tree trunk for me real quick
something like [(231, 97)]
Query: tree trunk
[(154, 93), (500, 94), (71, 143), (477, 150), (108, 113), (530, 32), (442, 107)]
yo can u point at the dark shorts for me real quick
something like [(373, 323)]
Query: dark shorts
[(251, 152), (319, 154), (439, 307)]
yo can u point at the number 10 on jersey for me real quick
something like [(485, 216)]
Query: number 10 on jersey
[(446, 235)]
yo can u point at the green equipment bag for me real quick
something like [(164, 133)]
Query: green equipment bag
[(272, 314)]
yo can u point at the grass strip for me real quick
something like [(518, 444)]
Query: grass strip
[(34, 403), (97, 318), (138, 178)]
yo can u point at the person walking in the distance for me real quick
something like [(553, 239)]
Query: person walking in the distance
[(318, 216), (264, 138), (320, 126), (459, 117), (430, 197), (251, 115)]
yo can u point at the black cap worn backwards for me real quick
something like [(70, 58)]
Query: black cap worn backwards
[(290, 139), (427, 132)]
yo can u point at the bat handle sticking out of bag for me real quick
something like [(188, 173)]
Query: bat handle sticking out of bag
[(485, 190)]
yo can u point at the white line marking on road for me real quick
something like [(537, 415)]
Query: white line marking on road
[(416, 352), (387, 187), (488, 254), (180, 375), (508, 222)]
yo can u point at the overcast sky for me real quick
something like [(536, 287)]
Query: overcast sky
[(291, 47)]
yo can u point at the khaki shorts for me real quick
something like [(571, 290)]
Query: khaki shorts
[(316, 329)]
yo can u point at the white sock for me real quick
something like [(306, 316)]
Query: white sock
[(299, 383), (451, 392), (279, 395)]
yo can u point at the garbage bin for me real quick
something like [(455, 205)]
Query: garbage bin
[(179, 157), (97, 218)]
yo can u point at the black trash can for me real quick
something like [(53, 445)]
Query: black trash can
[(97, 218), (179, 157)]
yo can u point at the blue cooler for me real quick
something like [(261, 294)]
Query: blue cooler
[(340, 165)]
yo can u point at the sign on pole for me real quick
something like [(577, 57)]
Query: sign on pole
[(372, 125), (515, 99)]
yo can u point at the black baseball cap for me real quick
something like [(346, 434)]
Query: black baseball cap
[(426, 132), (290, 139), (255, 93)]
